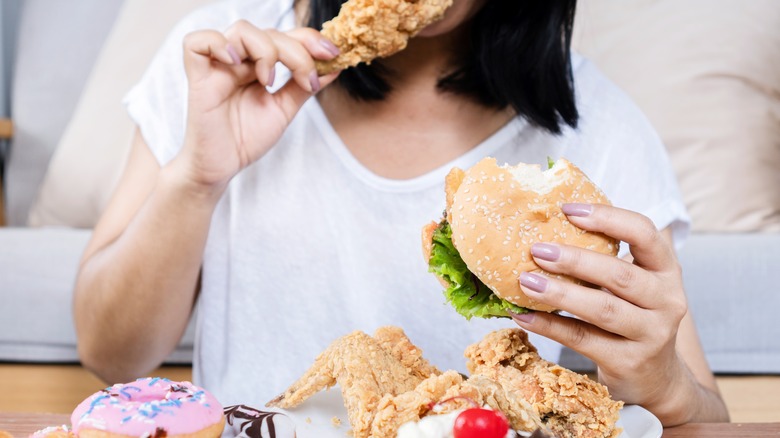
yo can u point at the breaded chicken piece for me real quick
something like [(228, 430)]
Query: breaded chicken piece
[(393, 340), (367, 29), (520, 413), (569, 404), (393, 411), (366, 369)]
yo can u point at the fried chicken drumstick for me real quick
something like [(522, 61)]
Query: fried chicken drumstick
[(367, 29)]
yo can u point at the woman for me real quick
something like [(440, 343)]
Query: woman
[(293, 220)]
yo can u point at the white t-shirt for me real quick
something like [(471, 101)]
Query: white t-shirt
[(307, 244)]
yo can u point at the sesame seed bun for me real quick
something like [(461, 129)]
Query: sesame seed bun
[(497, 212)]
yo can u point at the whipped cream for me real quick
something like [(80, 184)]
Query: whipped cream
[(432, 426), (435, 426)]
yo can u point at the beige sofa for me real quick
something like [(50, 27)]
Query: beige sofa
[(705, 71)]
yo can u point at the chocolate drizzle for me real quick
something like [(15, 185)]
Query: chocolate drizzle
[(251, 421)]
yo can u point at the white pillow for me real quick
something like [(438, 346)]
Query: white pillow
[(91, 154), (707, 74)]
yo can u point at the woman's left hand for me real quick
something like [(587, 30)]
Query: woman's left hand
[(628, 324)]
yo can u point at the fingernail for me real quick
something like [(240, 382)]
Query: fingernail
[(534, 282), (525, 318), (330, 47), (576, 209), (272, 76), (315, 81), (546, 251), (233, 55)]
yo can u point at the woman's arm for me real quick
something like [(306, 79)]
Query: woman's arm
[(636, 327), (136, 286), (138, 277)]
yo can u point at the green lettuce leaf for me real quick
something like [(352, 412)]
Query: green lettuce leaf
[(466, 293)]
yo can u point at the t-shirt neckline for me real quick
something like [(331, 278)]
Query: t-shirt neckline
[(436, 176)]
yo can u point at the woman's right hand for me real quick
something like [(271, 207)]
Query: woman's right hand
[(232, 119)]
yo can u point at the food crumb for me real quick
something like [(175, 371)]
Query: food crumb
[(335, 421), (308, 420)]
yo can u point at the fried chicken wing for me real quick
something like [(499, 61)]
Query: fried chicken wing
[(367, 29), (569, 404), (366, 369)]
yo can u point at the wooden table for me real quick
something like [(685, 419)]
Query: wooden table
[(22, 424), (724, 430)]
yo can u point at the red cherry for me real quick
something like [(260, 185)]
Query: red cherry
[(480, 423)]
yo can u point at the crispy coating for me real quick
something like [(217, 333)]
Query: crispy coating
[(569, 404), (367, 29), (366, 369), (394, 340), (393, 411), (386, 382)]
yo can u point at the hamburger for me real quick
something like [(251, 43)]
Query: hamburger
[(493, 215)]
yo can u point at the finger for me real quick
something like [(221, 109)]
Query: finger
[(592, 342), (620, 277), (645, 241), (297, 58), (256, 49), (318, 46), (201, 48), (595, 306)]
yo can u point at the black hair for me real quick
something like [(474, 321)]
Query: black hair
[(517, 54)]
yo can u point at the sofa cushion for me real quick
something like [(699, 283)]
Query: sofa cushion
[(91, 154), (706, 74), (38, 274), (54, 55)]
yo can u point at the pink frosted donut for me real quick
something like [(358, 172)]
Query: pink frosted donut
[(149, 407)]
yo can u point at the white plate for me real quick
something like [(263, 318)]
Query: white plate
[(324, 416), (638, 422)]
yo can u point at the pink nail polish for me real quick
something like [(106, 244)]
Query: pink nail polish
[(523, 318), (315, 81), (272, 77), (546, 251), (329, 46), (233, 55), (533, 281), (576, 209)]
